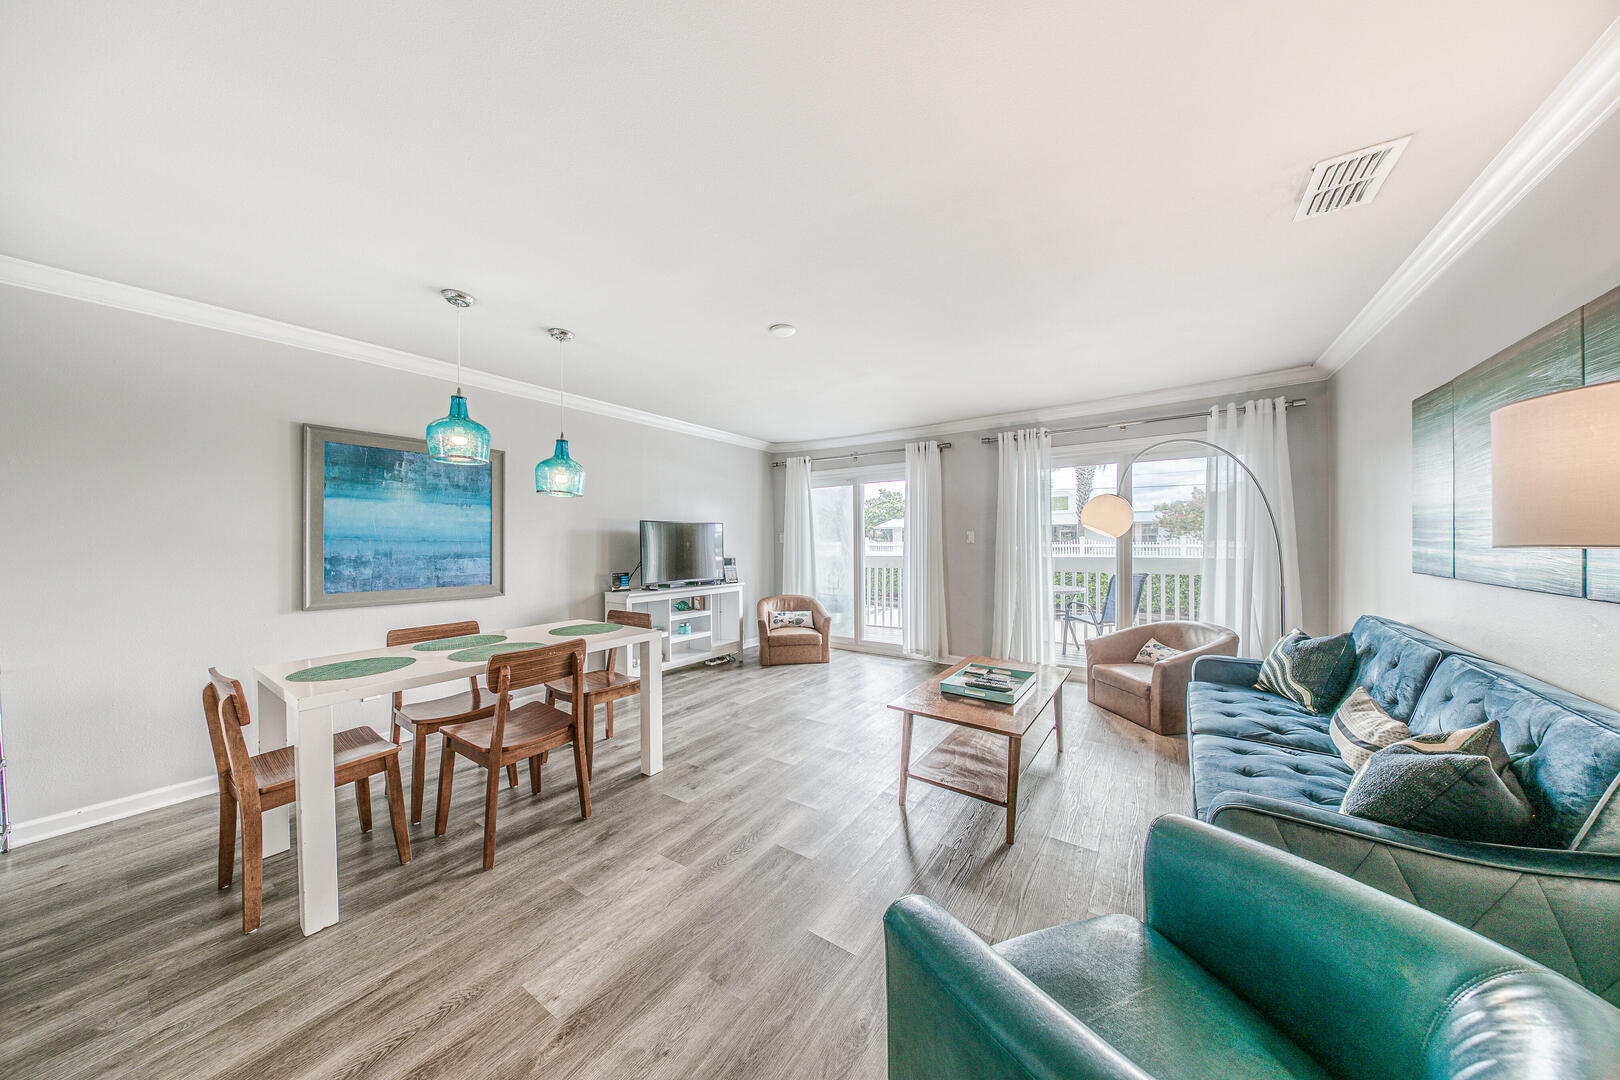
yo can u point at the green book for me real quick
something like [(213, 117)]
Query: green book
[(958, 684)]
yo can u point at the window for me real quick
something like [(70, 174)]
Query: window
[(1167, 540)]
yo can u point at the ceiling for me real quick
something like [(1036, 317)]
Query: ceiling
[(967, 208)]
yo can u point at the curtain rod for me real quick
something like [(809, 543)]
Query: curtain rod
[(1294, 403), (858, 454)]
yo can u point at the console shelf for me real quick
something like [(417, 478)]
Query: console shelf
[(710, 636)]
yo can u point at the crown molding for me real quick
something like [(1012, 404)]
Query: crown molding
[(1585, 98), (93, 290), (1080, 412)]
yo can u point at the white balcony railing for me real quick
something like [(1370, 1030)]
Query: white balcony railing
[(1091, 546), (1080, 588), (880, 593)]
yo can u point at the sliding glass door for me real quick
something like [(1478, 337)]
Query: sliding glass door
[(1166, 541), (859, 524)]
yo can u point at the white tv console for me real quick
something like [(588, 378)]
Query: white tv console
[(715, 610)]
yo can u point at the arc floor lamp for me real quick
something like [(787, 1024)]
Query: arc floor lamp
[(1113, 515)]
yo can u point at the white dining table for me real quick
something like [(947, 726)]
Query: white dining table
[(299, 714)]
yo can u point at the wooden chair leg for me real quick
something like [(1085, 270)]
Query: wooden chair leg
[(227, 834), (587, 730), (545, 756), (492, 789), (609, 719), (511, 773), (418, 774), (396, 808), (252, 871), (534, 774), (447, 769), (362, 801), (393, 733), (582, 775)]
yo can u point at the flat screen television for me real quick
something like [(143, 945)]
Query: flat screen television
[(674, 552)]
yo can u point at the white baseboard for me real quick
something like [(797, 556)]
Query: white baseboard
[(27, 832)]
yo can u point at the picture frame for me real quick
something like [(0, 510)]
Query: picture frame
[(385, 524)]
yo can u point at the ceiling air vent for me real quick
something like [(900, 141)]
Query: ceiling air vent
[(1339, 183)]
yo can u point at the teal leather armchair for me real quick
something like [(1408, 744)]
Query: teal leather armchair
[(1251, 963)]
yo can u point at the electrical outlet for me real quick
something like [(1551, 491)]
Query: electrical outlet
[(970, 536)]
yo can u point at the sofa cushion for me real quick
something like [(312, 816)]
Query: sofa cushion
[(795, 635), (1565, 750), (1132, 678), (1360, 728), (1443, 793), (1240, 713), (1150, 1001), (1221, 766), (1394, 662), (1313, 671)]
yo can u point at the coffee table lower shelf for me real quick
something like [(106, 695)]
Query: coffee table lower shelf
[(968, 762)]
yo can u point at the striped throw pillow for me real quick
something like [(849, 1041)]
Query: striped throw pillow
[(1360, 727), (1312, 671)]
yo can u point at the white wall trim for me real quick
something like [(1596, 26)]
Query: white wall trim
[(1579, 104), (28, 832), (1076, 412), (93, 290)]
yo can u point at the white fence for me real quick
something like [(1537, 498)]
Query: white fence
[(1093, 546)]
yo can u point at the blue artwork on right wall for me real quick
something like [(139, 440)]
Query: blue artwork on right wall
[(1451, 458)]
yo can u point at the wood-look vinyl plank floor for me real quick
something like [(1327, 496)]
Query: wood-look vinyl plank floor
[(722, 919)]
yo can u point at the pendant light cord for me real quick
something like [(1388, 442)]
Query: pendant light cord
[(562, 398), (459, 310)]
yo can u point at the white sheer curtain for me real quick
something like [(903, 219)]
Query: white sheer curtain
[(1241, 580), (798, 535), (922, 583), (1023, 614)]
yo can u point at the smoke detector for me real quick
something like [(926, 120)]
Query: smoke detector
[(1338, 183)]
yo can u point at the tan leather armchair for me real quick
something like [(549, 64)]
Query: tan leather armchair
[(1152, 695), (794, 644)]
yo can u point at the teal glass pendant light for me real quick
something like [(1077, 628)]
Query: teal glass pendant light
[(458, 439), (560, 474)]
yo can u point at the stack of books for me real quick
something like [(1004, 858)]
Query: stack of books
[(1000, 685)]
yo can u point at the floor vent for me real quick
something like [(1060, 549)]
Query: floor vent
[(1339, 183)]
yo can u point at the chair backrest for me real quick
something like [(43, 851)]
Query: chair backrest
[(643, 619), (511, 671), (226, 711), (415, 635)]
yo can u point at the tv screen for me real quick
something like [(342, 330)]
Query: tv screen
[(680, 551)]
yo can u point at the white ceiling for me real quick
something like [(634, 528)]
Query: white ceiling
[(966, 207)]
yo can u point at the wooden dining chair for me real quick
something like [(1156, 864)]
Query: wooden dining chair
[(251, 784), (514, 734), (602, 687), (423, 718)]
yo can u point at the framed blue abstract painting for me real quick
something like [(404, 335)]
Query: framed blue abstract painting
[(386, 524)]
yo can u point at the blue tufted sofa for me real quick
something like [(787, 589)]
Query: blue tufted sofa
[(1264, 767)]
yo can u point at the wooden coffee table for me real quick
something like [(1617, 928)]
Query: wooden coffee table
[(980, 759)]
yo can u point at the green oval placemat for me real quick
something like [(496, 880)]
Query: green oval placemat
[(465, 641), (581, 629), (352, 669), (484, 652)]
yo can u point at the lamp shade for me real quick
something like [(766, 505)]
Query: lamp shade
[(559, 474), (1555, 470), (1108, 514), (458, 439)]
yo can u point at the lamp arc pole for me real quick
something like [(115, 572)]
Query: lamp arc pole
[(1276, 531)]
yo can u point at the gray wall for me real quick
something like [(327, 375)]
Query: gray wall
[(150, 479), (970, 502), (1557, 249)]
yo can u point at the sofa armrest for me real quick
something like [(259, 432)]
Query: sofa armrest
[(957, 1009), (1230, 670), (1171, 676), (1559, 908)]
